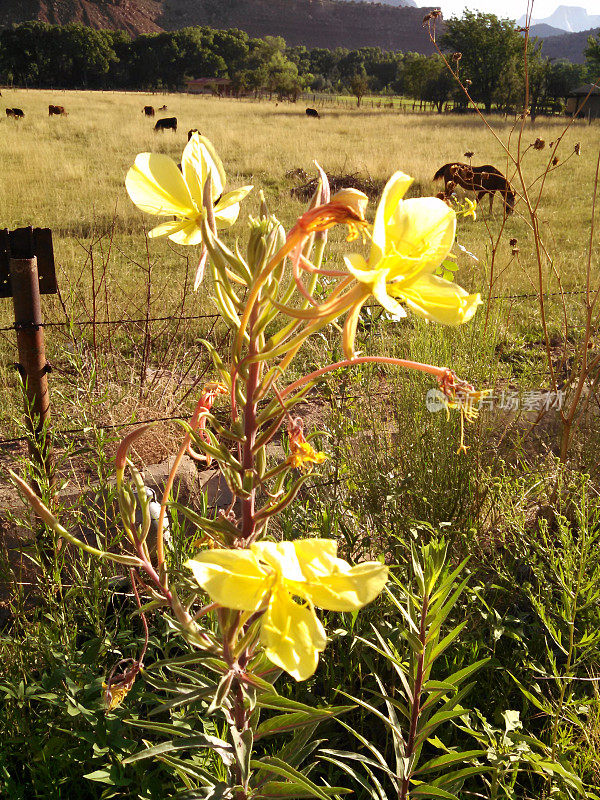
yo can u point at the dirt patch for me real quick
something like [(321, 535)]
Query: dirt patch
[(372, 187)]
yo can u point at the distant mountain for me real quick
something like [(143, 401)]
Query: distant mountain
[(569, 45), (572, 19), (542, 31), (314, 23)]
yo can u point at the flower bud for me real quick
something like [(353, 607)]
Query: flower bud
[(352, 198), (266, 237)]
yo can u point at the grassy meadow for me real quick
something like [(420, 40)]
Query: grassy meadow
[(393, 477), (67, 173)]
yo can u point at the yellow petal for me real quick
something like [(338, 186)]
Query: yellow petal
[(347, 588), (232, 578), (358, 267), (421, 231), (167, 228), (197, 164), (281, 557), (292, 635), (437, 299), (331, 582), (233, 197), (156, 186), (380, 293), (350, 328), (190, 234), (391, 197), (225, 217)]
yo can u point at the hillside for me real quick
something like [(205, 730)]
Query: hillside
[(571, 19), (315, 23), (569, 45)]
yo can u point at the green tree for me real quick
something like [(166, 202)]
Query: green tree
[(592, 55), (359, 85), (489, 46)]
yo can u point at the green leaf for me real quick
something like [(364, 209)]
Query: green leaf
[(242, 743), (428, 790), (293, 790), (100, 776), (448, 758), (278, 767), (196, 742), (282, 723)]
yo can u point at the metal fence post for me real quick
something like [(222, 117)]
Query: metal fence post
[(20, 279)]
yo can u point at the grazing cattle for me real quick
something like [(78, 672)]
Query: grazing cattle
[(481, 180), (10, 112), (17, 113), (312, 112), (162, 108), (192, 131), (148, 111), (166, 124), (57, 111)]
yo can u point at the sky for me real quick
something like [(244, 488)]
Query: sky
[(513, 9)]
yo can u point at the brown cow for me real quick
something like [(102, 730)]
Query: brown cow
[(57, 111), (162, 108), (148, 111), (17, 113)]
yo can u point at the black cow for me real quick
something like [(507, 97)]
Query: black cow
[(166, 124), (57, 111), (162, 108), (312, 112), (148, 111), (192, 132), (17, 113)]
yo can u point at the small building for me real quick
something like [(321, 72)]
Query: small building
[(585, 102), (219, 86)]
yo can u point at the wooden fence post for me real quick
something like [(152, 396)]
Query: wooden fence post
[(19, 251)]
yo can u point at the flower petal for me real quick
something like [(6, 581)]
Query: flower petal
[(235, 196), (348, 588), (358, 267), (292, 635), (197, 163), (167, 228), (391, 197), (232, 578), (421, 231), (191, 234), (280, 556), (156, 186), (437, 299), (380, 293), (226, 217)]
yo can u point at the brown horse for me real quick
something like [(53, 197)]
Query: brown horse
[(481, 180)]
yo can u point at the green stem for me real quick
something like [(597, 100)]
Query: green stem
[(416, 703)]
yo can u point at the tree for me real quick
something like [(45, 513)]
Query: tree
[(592, 54), (489, 46), (359, 85)]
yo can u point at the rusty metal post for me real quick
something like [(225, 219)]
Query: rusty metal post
[(32, 366)]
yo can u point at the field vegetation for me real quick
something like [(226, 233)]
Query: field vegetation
[(524, 511)]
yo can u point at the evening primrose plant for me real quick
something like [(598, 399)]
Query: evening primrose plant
[(247, 604)]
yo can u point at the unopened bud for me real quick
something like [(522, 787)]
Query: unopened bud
[(354, 199), (266, 237)]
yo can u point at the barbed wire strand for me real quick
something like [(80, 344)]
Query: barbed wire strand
[(143, 321)]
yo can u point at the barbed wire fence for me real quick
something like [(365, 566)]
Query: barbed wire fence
[(190, 318)]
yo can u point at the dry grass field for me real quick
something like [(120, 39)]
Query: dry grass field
[(67, 173)]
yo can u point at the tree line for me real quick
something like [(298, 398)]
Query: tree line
[(487, 53)]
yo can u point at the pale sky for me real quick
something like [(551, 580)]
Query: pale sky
[(513, 9)]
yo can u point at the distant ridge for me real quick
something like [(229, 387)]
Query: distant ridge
[(571, 19), (314, 23), (570, 45)]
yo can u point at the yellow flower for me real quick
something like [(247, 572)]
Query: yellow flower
[(411, 238), (157, 186), (302, 454), (269, 576)]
